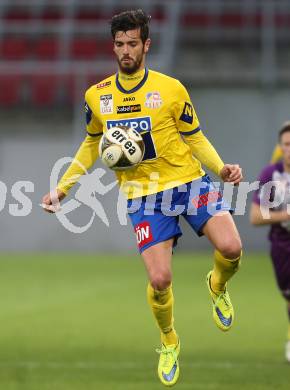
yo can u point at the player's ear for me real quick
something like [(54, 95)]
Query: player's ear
[(147, 45)]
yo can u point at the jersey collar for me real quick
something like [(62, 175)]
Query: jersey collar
[(138, 86)]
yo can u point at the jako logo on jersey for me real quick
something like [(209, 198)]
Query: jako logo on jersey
[(142, 124), (129, 99), (143, 233), (126, 109)]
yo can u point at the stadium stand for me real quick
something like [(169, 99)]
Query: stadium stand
[(61, 40), (46, 49)]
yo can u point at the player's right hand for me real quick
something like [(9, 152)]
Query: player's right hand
[(51, 201)]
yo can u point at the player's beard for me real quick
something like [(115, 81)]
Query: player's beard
[(133, 67)]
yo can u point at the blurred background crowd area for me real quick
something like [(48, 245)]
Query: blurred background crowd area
[(50, 50), (232, 55)]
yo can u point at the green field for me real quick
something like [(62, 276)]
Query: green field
[(81, 322)]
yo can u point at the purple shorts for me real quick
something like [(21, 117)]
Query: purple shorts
[(281, 262)]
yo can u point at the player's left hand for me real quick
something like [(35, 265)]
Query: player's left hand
[(231, 173)]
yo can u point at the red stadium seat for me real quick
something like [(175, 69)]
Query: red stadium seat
[(84, 48), (282, 20), (18, 15), (158, 14), (44, 89), (106, 48), (15, 48), (226, 20), (46, 49), (257, 19), (197, 20), (89, 15), (232, 20), (52, 14), (10, 88)]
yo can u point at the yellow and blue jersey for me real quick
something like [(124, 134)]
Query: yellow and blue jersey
[(160, 109)]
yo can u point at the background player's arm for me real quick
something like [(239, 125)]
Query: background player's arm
[(259, 213), (257, 217), (189, 127)]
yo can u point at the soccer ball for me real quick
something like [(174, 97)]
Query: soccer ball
[(121, 148)]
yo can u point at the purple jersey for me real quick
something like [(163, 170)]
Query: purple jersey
[(281, 193), (280, 232)]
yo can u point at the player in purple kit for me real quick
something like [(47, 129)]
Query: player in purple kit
[(269, 207)]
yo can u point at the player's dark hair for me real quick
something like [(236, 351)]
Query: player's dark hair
[(285, 129), (131, 20)]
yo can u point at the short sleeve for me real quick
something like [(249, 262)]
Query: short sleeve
[(93, 125), (184, 113), (264, 177)]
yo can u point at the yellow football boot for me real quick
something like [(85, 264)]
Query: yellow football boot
[(168, 367), (222, 308)]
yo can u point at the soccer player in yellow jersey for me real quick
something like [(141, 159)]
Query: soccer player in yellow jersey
[(160, 109)]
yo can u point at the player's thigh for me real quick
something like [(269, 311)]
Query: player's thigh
[(222, 232), (157, 261)]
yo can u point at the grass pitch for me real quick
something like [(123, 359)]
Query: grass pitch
[(81, 322)]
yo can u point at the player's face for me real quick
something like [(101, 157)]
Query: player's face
[(285, 146), (130, 50)]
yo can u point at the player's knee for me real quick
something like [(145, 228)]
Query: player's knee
[(231, 249), (161, 280)]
